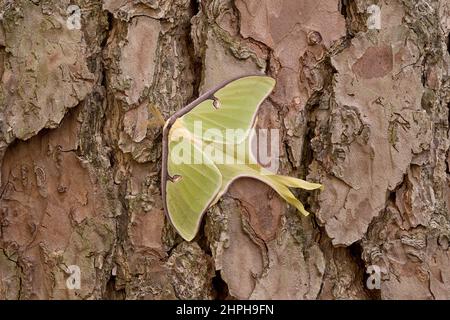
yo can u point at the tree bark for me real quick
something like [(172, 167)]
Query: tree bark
[(363, 111)]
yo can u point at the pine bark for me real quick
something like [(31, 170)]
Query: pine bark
[(363, 111)]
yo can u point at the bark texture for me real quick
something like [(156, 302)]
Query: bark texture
[(363, 111)]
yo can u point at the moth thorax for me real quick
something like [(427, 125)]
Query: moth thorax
[(178, 131)]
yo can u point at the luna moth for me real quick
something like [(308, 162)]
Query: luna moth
[(189, 188)]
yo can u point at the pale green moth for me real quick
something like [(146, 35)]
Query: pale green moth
[(190, 188)]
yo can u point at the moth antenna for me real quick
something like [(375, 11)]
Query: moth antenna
[(216, 102), (158, 119)]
